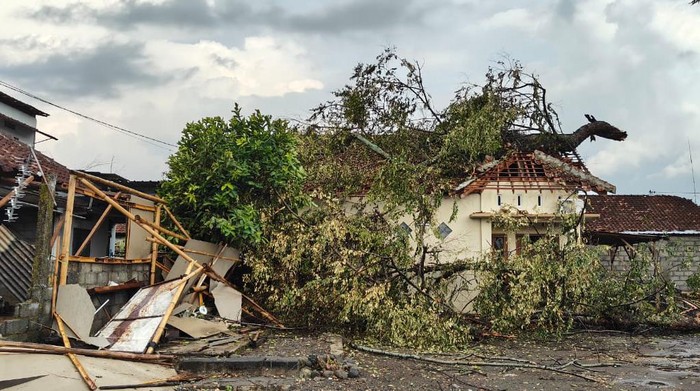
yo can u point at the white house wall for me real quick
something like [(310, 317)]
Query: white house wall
[(22, 133), (18, 115), (471, 237)]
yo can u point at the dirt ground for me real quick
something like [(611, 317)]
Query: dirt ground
[(615, 361)]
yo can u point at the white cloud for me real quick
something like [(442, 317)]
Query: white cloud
[(593, 15), (678, 24), (518, 18), (681, 167), (625, 156), (264, 66)]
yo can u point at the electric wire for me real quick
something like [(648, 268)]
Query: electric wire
[(142, 137)]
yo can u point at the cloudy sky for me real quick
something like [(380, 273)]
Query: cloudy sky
[(151, 66)]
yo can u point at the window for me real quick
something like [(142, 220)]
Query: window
[(499, 244), (519, 200), (444, 230), (539, 200), (498, 200)]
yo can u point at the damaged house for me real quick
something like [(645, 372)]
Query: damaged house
[(536, 187), (535, 180)]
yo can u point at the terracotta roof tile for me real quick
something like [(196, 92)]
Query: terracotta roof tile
[(13, 153), (643, 214)]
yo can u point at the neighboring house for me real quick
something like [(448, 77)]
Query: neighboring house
[(529, 185), (21, 169), (18, 120), (534, 186), (668, 226)]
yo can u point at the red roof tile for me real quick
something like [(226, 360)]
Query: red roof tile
[(643, 214), (13, 153)]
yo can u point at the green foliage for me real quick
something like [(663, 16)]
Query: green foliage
[(541, 288), (556, 280), (227, 175), (332, 269), (639, 295), (694, 283)]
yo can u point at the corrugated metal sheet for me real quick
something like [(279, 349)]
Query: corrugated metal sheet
[(16, 258), (133, 327)]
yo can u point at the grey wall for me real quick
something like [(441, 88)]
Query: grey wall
[(679, 258)]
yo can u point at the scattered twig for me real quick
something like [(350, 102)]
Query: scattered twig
[(586, 366), (498, 358), (472, 363)]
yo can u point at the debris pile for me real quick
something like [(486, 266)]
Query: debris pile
[(179, 300)]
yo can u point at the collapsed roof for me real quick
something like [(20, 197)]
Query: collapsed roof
[(533, 171)]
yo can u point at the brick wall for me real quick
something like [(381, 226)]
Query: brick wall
[(679, 258)]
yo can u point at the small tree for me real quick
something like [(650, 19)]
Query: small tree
[(227, 174)]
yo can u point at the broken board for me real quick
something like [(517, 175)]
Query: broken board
[(74, 306), (58, 374), (136, 244), (134, 326), (228, 302), (197, 328)]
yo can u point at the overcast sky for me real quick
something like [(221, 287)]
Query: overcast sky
[(151, 66)]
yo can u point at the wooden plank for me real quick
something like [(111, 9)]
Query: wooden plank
[(161, 229), (117, 186), (108, 260), (176, 222), (43, 348), (154, 249), (73, 358), (173, 303), (117, 288)]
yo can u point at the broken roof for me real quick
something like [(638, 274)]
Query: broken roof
[(644, 215), (533, 170), (13, 153)]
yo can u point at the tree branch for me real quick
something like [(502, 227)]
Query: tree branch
[(367, 349)]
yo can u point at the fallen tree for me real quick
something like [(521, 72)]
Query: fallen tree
[(319, 256)]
